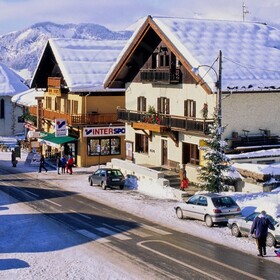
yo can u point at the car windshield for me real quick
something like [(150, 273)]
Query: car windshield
[(223, 201), (255, 214)]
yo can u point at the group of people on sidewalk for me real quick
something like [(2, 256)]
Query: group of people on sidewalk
[(64, 164)]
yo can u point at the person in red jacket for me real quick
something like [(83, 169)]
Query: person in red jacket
[(70, 163)]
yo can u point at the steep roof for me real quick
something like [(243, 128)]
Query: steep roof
[(27, 98), (10, 82), (250, 51), (84, 63)]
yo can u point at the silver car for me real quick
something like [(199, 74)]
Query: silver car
[(211, 208), (241, 226)]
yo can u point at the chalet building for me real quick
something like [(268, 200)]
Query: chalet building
[(11, 122), (169, 106), (76, 115)]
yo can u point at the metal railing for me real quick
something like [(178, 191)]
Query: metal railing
[(77, 119), (170, 121)]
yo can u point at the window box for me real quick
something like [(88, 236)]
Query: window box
[(149, 126)]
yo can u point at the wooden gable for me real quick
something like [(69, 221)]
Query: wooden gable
[(47, 67), (149, 39)]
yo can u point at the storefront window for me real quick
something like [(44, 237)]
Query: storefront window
[(107, 146)]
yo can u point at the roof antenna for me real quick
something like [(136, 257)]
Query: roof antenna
[(244, 10)]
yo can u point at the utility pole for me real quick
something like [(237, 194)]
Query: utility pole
[(244, 11), (219, 95)]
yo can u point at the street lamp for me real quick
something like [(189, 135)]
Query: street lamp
[(211, 174), (218, 85)]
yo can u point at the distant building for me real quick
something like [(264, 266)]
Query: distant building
[(76, 115), (11, 115)]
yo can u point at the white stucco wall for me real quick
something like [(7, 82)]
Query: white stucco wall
[(177, 95), (251, 112), (9, 126)]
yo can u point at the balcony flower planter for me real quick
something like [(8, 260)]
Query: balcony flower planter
[(149, 126)]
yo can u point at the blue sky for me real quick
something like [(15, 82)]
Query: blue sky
[(117, 15)]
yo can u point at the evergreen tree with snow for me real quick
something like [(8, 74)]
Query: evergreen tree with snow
[(211, 175)]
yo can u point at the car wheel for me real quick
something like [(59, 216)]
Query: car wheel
[(208, 221), (179, 213), (270, 240), (235, 231), (103, 185), (90, 182), (121, 187)]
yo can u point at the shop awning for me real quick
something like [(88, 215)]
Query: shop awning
[(51, 140)]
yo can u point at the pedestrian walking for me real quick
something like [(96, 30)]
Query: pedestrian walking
[(42, 164), (259, 229), (63, 164), (58, 164), (70, 163), (13, 158)]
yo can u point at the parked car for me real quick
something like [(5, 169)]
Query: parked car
[(107, 177), (241, 226), (211, 208)]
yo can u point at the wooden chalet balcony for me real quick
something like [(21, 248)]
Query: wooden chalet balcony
[(162, 123), (162, 76), (79, 119)]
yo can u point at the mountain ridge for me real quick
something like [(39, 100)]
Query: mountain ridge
[(21, 50)]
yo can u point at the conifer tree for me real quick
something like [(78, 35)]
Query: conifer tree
[(211, 175)]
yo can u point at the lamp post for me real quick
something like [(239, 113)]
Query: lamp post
[(218, 85), (216, 160), (219, 95)]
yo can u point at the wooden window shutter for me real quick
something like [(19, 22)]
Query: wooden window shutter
[(167, 106), (194, 109), (159, 105), (144, 104), (138, 103), (185, 107)]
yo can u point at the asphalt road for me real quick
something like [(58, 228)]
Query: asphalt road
[(170, 254)]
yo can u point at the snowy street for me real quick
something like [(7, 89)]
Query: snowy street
[(33, 249)]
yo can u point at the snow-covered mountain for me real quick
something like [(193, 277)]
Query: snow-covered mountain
[(21, 50)]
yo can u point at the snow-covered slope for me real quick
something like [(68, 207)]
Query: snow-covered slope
[(21, 50)]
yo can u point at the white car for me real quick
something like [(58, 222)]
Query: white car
[(211, 208)]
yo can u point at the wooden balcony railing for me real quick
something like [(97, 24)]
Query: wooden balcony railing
[(170, 122), (162, 76), (78, 119)]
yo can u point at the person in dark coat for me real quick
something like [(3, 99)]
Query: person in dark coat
[(13, 159), (260, 228), (42, 164), (58, 164)]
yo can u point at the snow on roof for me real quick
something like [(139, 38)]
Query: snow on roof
[(256, 154), (272, 169), (10, 82), (27, 98), (85, 63), (250, 50)]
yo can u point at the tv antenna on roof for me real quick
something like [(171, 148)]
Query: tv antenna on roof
[(244, 10)]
